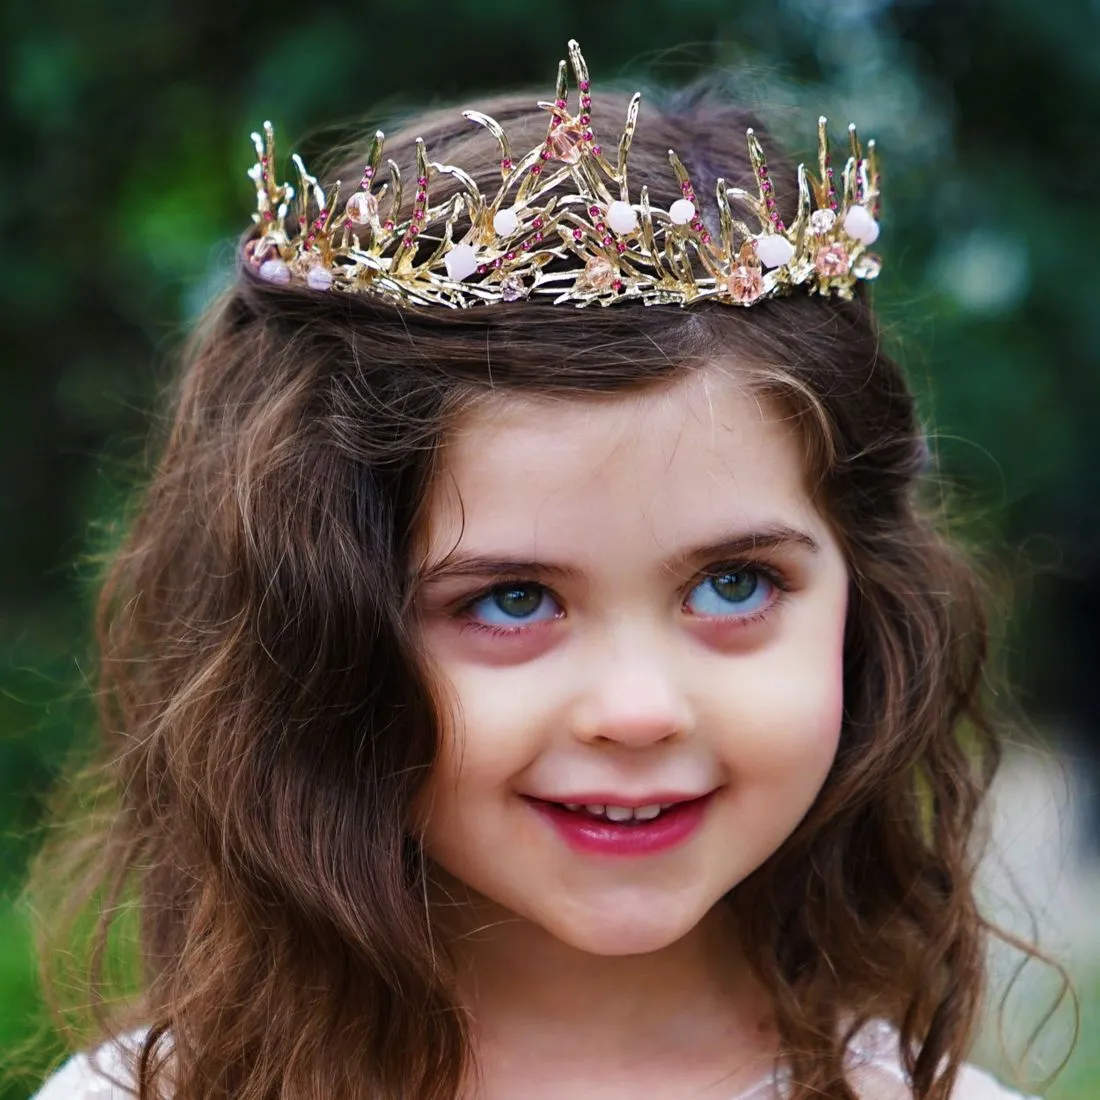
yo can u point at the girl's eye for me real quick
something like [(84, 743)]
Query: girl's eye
[(514, 605), (737, 593)]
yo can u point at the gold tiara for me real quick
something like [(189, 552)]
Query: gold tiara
[(563, 224)]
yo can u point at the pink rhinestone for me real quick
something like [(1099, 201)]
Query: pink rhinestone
[(565, 144), (705, 238), (617, 284), (408, 242), (685, 186), (536, 169), (555, 122), (583, 85), (545, 154), (414, 229), (506, 164), (509, 255), (269, 216), (368, 172), (598, 274), (763, 169), (537, 223), (586, 101), (481, 269), (559, 102), (588, 135), (621, 246), (422, 181), (388, 223), (578, 234), (597, 150), (538, 236), (419, 216), (600, 227), (594, 211), (347, 223), (421, 196), (832, 261), (745, 284), (497, 262), (608, 239), (765, 186), (584, 120)]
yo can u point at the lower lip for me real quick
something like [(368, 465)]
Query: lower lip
[(596, 836)]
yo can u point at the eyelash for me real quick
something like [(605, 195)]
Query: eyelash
[(770, 573)]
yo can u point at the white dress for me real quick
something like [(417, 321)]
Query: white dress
[(874, 1062)]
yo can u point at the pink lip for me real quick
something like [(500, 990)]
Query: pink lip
[(595, 837)]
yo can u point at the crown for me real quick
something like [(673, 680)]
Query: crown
[(563, 224)]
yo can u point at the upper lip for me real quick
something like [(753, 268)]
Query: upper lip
[(604, 798)]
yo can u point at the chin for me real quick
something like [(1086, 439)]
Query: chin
[(602, 936)]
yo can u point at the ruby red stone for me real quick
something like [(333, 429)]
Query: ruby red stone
[(621, 246), (617, 284), (594, 211), (536, 169), (578, 234), (537, 223), (506, 164)]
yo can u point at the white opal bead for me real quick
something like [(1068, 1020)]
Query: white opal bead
[(774, 250), (275, 271), (319, 278), (681, 211), (622, 217), (860, 225), (505, 223), (461, 262)]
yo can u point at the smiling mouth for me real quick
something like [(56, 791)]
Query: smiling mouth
[(619, 815)]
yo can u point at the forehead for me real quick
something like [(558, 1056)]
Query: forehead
[(660, 464)]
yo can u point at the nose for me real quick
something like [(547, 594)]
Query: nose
[(633, 693)]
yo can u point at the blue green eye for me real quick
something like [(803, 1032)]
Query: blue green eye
[(737, 592), (512, 604)]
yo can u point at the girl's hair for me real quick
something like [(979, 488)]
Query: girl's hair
[(267, 720)]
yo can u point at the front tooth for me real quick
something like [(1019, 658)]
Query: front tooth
[(647, 813), (572, 805), (619, 813), (598, 810)]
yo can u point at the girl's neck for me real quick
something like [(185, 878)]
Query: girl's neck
[(534, 1000)]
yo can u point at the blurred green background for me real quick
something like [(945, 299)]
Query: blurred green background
[(124, 136)]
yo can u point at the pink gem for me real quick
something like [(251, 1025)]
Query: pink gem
[(481, 269), (621, 246), (269, 216), (368, 172), (509, 255), (419, 216), (705, 238), (745, 283), (497, 262), (555, 122), (584, 120), (587, 135), (594, 211), (685, 186), (538, 236), (608, 240), (408, 242), (422, 181), (414, 229), (347, 223), (537, 223), (832, 261), (506, 164), (765, 186), (617, 284), (545, 154), (578, 234), (586, 101), (583, 85), (565, 144), (598, 274), (388, 223), (536, 169), (601, 227), (421, 196), (559, 102), (597, 150)]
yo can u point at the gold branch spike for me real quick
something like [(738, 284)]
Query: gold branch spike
[(495, 129), (624, 144)]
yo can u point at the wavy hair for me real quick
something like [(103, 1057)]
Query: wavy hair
[(267, 721)]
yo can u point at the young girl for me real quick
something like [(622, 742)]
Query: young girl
[(532, 672)]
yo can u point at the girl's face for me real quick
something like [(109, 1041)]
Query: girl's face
[(628, 601)]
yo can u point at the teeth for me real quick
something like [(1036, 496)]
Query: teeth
[(597, 810), (647, 813), (619, 813)]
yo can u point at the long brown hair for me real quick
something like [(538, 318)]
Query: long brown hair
[(266, 720)]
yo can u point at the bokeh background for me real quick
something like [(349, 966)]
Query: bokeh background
[(124, 145)]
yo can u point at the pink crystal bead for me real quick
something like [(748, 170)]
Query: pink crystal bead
[(512, 288), (744, 283), (565, 144), (598, 274), (832, 261), (362, 208), (319, 278), (275, 271)]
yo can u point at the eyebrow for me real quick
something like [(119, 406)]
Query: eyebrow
[(734, 545)]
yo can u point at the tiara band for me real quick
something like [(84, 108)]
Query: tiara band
[(591, 244)]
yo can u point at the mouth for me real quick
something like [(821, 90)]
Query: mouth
[(605, 828)]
